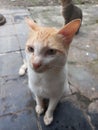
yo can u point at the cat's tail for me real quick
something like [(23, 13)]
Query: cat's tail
[(23, 69)]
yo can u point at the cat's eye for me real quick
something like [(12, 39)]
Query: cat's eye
[(51, 52), (30, 49)]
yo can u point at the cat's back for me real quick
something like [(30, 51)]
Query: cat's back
[(67, 10), (72, 11), (78, 12)]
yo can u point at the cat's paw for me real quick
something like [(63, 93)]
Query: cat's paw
[(39, 109), (21, 72), (23, 69), (47, 119)]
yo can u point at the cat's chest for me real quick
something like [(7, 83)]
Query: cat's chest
[(46, 85), (44, 81)]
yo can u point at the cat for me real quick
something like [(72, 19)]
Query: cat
[(46, 55), (70, 12)]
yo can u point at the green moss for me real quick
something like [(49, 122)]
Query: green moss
[(94, 66), (97, 21)]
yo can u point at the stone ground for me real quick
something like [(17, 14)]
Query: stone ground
[(26, 3), (78, 111)]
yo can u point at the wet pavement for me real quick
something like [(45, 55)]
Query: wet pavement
[(78, 110)]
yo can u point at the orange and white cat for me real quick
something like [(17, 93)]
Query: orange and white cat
[(46, 53)]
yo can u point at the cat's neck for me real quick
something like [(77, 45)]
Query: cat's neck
[(65, 3), (68, 5), (50, 72)]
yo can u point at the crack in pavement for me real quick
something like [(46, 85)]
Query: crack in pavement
[(16, 112)]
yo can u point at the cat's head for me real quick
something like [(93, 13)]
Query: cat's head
[(47, 48)]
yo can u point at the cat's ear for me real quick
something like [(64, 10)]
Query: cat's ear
[(33, 25), (69, 30)]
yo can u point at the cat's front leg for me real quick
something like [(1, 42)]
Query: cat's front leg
[(39, 105), (48, 118), (23, 68)]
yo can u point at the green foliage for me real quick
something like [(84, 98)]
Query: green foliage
[(97, 21)]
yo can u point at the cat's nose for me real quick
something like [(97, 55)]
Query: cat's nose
[(36, 65)]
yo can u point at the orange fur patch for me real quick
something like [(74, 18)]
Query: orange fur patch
[(51, 37)]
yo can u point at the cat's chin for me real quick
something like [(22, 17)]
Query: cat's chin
[(40, 70)]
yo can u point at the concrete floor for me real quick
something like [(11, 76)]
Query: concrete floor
[(79, 109)]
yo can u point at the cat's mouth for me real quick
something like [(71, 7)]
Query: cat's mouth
[(41, 69)]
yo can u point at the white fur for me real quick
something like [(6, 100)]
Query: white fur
[(23, 69), (50, 84), (47, 68)]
